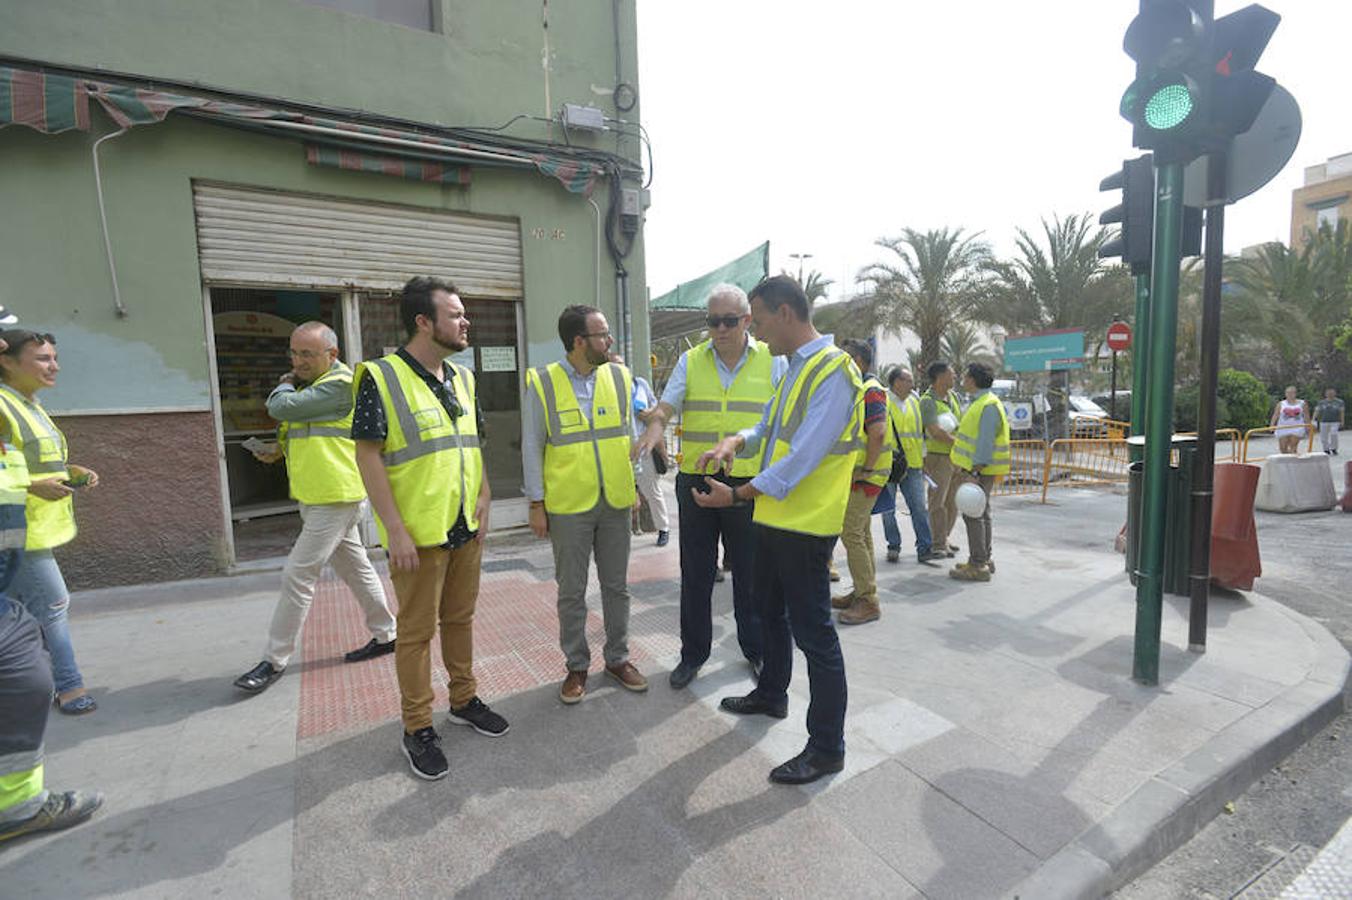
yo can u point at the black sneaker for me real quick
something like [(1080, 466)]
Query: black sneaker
[(257, 679), (478, 716), (423, 750)]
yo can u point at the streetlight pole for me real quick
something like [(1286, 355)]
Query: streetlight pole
[(800, 257)]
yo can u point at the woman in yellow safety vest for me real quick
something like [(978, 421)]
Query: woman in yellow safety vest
[(27, 366)]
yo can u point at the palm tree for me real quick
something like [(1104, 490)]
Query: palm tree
[(934, 281), (963, 343), (1277, 283), (814, 285)]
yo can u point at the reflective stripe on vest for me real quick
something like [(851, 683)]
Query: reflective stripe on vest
[(969, 432), (950, 404), (882, 467), (709, 414), (434, 464), (906, 422), (51, 523), (585, 458), (321, 458), (816, 505)]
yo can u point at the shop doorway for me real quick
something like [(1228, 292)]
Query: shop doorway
[(251, 331)]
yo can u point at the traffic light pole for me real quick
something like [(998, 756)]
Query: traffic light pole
[(1167, 248), (1199, 571), (1140, 356)]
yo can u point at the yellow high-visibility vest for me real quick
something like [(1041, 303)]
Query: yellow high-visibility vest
[(969, 430), (435, 464), (905, 419), (13, 491), (949, 404), (321, 458), (709, 413), (816, 505), (51, 523), (883, 466), (585, 459)]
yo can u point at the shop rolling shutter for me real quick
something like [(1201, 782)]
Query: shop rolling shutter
[(248, 236)]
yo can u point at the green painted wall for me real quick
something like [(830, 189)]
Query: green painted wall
[(483, 69)]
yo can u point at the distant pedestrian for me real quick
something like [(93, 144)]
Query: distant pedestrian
[(28, 365), (313, 403), (939, 406), (1290, 417), (418, 428), (1331, 416), (579, 480), (981, 456)]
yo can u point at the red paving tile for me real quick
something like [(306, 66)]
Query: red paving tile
[(515, 636)]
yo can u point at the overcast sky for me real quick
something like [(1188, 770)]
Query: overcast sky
[(822, 126)]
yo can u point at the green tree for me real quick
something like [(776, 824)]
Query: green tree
[(1246, 401), (964, 343), (933, 279)]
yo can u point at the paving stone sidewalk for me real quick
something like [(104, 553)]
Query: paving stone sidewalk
[(996, 744)]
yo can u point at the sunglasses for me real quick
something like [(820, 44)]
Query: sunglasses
[(715, 322)]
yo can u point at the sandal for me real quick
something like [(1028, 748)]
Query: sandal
[(76, 706)]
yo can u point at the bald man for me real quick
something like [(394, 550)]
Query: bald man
[(313, 403)]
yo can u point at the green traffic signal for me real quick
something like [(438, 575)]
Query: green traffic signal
[(1169, 107)]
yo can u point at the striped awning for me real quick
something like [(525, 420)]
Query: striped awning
[(53, 103)]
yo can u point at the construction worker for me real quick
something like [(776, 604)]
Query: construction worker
[(418, 427), (908, 472), (808, 441), (939, 398), (872, 469), (26, 685), (576, 444), (981, 454), (313, 403), (717, 387)]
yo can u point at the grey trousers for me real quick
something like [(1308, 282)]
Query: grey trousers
[(603, 532), (978, 528), (25, 700)]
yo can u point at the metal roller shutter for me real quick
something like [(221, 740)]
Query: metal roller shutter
[(251, 236)]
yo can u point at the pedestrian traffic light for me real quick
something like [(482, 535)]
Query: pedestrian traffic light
[(1134, 216), (1195, 88)]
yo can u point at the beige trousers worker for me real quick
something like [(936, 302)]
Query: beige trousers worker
[(857, 535), (328, 534), (942, 497)]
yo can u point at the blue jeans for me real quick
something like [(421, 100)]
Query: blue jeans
[(793, 594), (38, 585), (913, 492)]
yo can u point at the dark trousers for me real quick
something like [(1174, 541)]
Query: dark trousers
[(793, 593), (700, 530)]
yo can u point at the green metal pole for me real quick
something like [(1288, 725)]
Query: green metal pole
[(1159, 409), (1140, 354)]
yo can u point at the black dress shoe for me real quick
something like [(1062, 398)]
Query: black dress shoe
[(663, 538), (807, 767), (753, 705), (257, 679), (682, 675), (370, 650)]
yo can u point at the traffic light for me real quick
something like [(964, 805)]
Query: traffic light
[(1134, 216), (1195, 86)]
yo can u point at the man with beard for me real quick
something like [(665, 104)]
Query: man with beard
[(575, 441), (418, 426)]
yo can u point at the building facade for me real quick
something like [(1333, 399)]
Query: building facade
[(1324, 199), (184, 180)]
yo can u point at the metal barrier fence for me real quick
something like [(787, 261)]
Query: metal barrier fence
[(1027, 468), (1080, 462), (1271, 429)]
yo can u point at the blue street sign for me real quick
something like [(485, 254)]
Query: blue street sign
[(1045, 351)]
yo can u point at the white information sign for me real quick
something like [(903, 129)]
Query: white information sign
[(497, 359)]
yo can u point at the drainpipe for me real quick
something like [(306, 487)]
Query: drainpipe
[(103, 220)]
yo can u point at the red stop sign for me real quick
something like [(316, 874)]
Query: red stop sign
[(1119, 336)]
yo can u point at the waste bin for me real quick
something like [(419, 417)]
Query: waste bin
[(1235, 562), (1177, 508)]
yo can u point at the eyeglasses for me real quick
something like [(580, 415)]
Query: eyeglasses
[(716, 322), (603, 335)]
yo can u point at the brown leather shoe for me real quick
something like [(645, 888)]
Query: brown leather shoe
[(574, 687), (860, 611), (842, 601), (628, 677)]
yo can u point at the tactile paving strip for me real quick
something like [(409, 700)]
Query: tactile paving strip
[(516, 644)]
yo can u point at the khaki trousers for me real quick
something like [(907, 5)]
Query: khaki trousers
[(442, 591), (942, 500), (857, 535)]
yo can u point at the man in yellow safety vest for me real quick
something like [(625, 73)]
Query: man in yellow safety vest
[(313, 403), (576, 439), (981, 456), (418, 427), (908, 469), (937, 400), (808, 440)]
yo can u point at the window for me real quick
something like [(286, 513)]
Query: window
[(1326, 216), (409, 13)]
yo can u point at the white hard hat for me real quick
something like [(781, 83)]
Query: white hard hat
[(970, 499), (7, 317), (948, 421)]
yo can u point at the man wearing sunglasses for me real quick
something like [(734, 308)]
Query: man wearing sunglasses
[(313, 403), (718, 388)]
